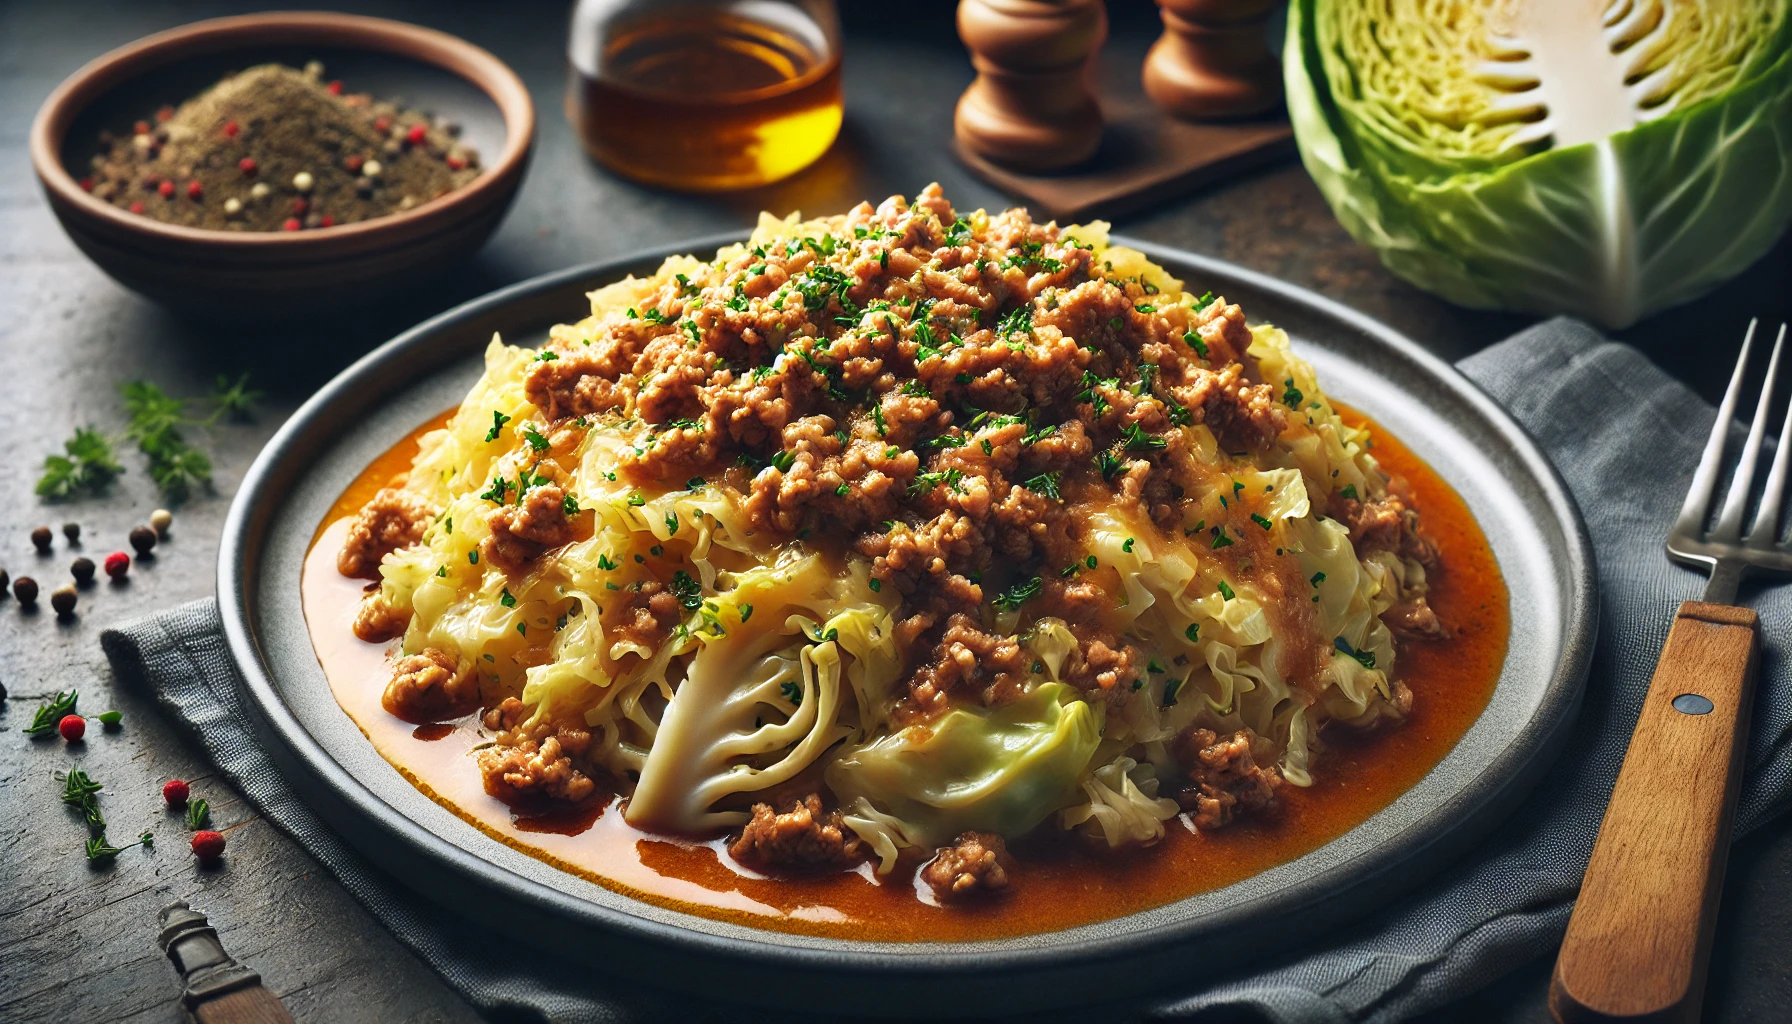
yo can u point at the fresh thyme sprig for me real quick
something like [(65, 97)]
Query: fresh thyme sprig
[(51, 713)]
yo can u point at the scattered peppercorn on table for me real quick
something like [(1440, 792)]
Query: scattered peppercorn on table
[(80, 937)]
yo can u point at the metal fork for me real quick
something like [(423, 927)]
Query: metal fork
[(1639, 940)]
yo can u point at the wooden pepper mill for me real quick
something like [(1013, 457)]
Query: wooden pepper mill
[(1213, 60), (1032, 105)]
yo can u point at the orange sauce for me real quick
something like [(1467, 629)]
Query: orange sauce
[(1061, 882)]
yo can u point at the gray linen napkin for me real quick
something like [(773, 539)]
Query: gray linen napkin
[(1624, 435)]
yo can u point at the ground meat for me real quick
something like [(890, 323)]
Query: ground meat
[(522, 532), (977, 864), (1386, 523), (652, 612), (430, 687), (802, 837), (535, 761), (948, 395), (1415, 620), (394, 519), (376, 621), (1224, 779)]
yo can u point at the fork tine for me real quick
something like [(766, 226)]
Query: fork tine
[(1704, 480), (1766, 530), (1729, 523)]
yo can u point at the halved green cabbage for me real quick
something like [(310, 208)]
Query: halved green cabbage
[(1604, 161)]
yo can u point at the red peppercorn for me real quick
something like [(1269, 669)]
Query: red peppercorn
[(327, 221), (455, 162), (166, 188), (247, 166), (175, 792), (335, 87), (86, 184), (299, 206), (382, 124), (117, 564), (140, 128), (195, 190), (292, 224), (353, 163), (164, 114), (137, 207), (416, 135), (72, 727), (208, 846), (230, 129)]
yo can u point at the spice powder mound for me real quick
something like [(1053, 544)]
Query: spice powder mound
[(274, 148)]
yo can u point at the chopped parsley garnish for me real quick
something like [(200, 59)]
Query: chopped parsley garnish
[(1203, 302), (1226, 590), (1367, 658), (635, 500), (1171, 688), (1193, 632), (746, 612), (495, 493), (1349, 491), (1260, 521), (1046, 484), (606, 563), (546, 356), (1134, 438), (686, 588), (506, 599), (533, 436), (1012, 598), (521, 630), (877, 586), (842, 490), (1317, 579), (1020, 321), (1291, 397), (783, 460), (1195, 342), (473, 557), (1109, 464), (1127, 546), (1220, 540), (672, 524)]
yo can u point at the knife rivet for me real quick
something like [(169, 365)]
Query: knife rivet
[(1692, 704)]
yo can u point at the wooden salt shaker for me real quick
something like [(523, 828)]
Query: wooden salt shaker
[(1032, 105), (1213, 60)]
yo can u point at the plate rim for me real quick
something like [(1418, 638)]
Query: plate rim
[(1503, 780)]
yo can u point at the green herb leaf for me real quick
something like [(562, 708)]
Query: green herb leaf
[(1226, 591), (1012, 598), (51, 713), (686, 588), (498, 421), (1367, 658), (199, 814)]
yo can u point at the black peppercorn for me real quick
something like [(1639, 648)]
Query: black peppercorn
[(63, 600), (82, 570), (4, 580), (25, 589), (143, 539), (72, 531), (2, 693), (42, 538)]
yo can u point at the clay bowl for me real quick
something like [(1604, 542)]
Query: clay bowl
[(278, 275)]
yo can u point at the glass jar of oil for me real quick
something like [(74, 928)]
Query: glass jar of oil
[(705, 95)]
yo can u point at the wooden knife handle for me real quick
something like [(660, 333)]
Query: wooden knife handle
[(1640, 936)]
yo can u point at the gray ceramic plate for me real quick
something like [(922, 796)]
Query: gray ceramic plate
[(1536, 534)]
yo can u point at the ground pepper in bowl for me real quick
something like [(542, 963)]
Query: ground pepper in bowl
[(275, 148)]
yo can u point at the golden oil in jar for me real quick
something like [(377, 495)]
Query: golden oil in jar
[(706, 97)]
